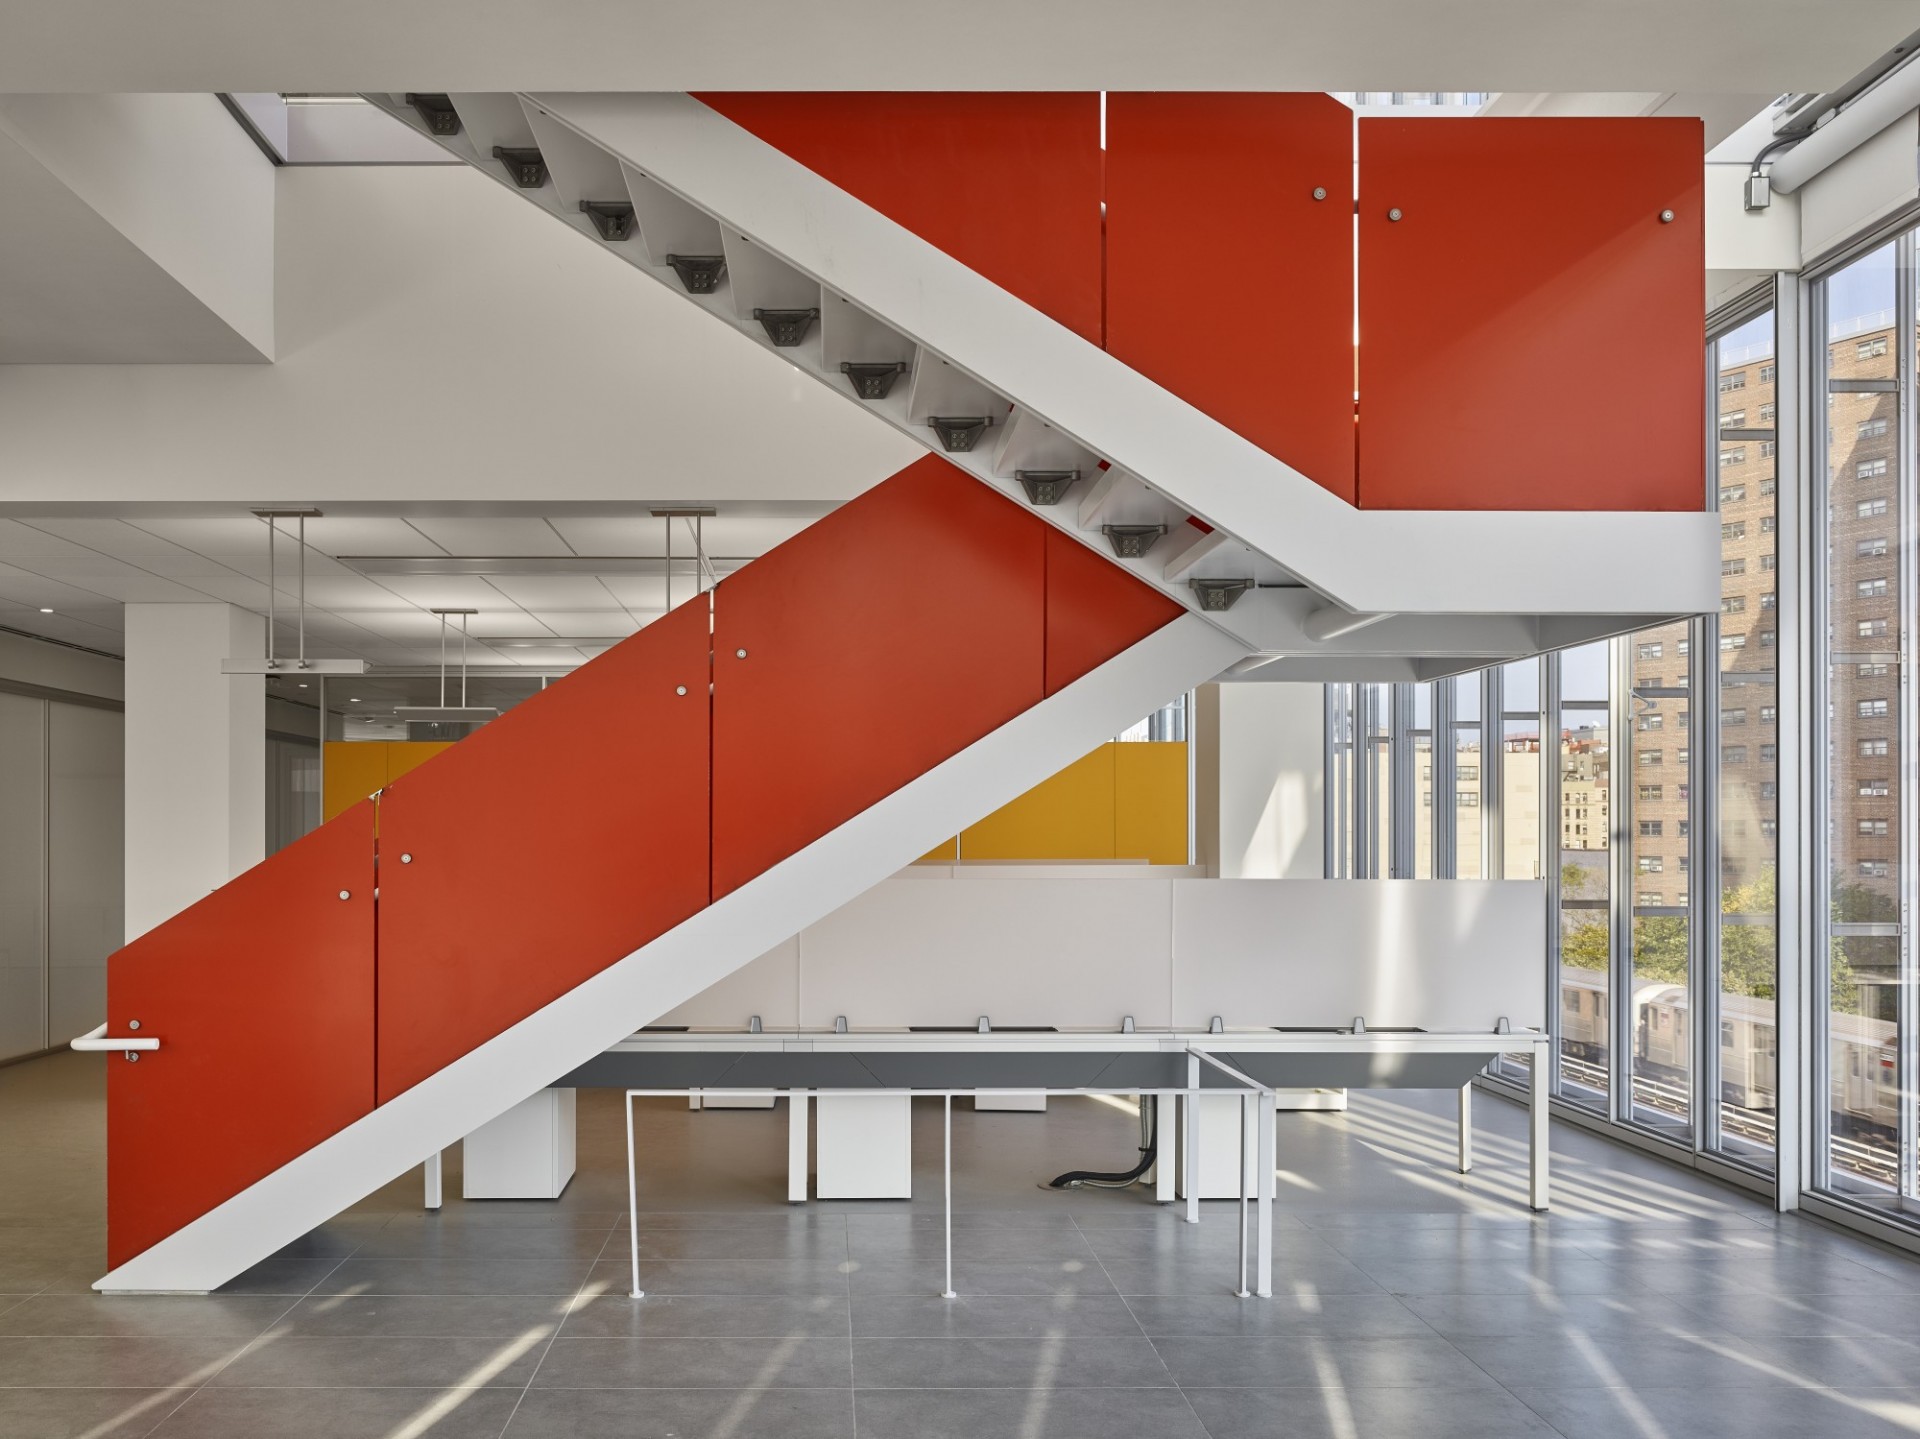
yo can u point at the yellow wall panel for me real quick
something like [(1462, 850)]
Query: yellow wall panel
[(356, 768), (944, 853), (1150, 802), (353, 771), (1067, 817)]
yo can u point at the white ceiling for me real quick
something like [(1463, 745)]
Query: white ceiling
[(1565, 45), (84, 569)]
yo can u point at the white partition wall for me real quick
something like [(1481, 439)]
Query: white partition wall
[(1029, 947)]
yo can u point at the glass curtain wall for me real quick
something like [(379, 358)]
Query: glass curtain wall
[(1863, 992)]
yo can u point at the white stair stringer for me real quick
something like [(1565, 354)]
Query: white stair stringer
[(808, 238), (733, 930)]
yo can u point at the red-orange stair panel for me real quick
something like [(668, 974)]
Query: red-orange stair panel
[(1095, 609), (261, 996), (542, 848)]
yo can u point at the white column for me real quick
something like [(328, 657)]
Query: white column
[(1257, 780), (196, 756)]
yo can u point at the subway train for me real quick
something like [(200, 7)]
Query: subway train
[(1862, 1054)]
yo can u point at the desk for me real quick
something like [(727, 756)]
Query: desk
[(1162, 1064)]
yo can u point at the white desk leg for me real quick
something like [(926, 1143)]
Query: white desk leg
[(1248, 1145), (1165, 1134), (1264, 1102), (1466, 1128), (947, 1165), (433, 1180), (1190, 1139), (633, 1206), (1537, 1130), (796, 1146)]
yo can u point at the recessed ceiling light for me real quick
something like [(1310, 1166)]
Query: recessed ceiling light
[(303, 684), (353, 699), (45, 611)]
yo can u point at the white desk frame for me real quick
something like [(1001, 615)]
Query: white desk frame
[(1199, 1049)]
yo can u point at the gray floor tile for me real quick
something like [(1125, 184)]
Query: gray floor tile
[(789, 1362), (1561, 1274), (502, 1316), (1221, 1275), (389, 1361), (1584, 1361), (683, 1414), (1338, 1412), (1753, 1407), (1496, 1316), (1355, 1364), (1787, 1272), (1050, 1362), (738, 1246), (83, 1413), (456, 1276), (93, 1363), (340, 1414), (1060, 1276), (1027, 1414), (799, 1280), (1348, 1316), (993, 1316), (158, 1316), (292, 1277), (540, 1243), (1008, 1246), (697, 1316), (1790, 1316), (1851, 1363)]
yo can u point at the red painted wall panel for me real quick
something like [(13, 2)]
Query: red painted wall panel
[(880, 641), (262, 998), (1007, 183), (1529, 330), (548, 844), (1227, 282), (1095, 609)]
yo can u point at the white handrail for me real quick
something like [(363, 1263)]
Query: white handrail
[(99, 1039)]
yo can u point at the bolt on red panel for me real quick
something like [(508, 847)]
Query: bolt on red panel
[(262, 998)]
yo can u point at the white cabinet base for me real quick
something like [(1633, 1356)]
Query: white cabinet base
[(1022, 1103), (527, 1153), (863, 1146)]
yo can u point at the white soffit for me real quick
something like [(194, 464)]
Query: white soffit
[(1706, 46)]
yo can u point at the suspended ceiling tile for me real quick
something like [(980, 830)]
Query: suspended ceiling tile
[(463, 536), (133, 544), (583, 592), (587, 622), (446, 591)]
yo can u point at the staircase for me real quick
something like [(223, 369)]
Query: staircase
[(1082, 542), (1001, 369)]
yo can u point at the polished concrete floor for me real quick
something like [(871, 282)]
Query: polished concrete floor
[(1410, 1300)]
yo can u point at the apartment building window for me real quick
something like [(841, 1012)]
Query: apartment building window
[(1733, 716), (1648, 899), (1870, 548), (1869, 671), (1733, 642), (1651, 721), (1733, 529), (1873, 429), (1767, 562), (1766, 486), (1649, 758), (1873, 589), (1467, 799), (1651, 828), (1769, 753), (1733, 754), (1732, 604), (1873, 828), (1872, 709), (1871, 629), (1875, 869), (1766, 378), (1769, 713), (1766, 449), (1870, 469), (1733, 565), (1768, 601), (1870, 349), (1650, 651), (1732, 494), (1769, 790), (1733, 420), (1733, 455), (1650, 864), (1873, 748), (1731, 381), (1649, 793), (1869, 509), (1874, 789)]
